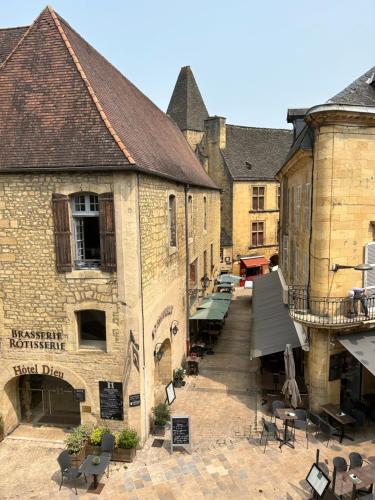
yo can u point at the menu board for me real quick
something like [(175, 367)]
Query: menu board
[(318, 480), (134, 400), (180, 431), (171, 395), (111, 400), (79, 395)]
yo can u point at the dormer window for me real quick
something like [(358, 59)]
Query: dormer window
[(85, 212)]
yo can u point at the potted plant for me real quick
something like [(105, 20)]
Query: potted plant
[(178, 377), (126, 444), (1, 428), (76, 444), (95, 440), (162, 414)]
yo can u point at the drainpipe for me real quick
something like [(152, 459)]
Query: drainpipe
[(143, 322), (187, 186)]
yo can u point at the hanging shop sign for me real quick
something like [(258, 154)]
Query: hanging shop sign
[(111, 400), (36, 339), (37, 370)]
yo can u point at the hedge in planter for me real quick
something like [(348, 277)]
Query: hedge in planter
[(126, 446), (95, 440), (76, 444), (162, 415)]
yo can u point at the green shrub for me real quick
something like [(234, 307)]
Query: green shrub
[(96, 435), (73, 444), (162, 413), (83, 432), (128, 438)]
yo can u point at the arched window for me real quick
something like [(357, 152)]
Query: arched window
[(205, 213), (85, 212), (172, 220), (190, 216)]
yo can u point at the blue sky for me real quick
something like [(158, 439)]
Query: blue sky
[(252, 60)]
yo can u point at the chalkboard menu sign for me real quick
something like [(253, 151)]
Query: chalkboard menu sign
[(79, 395), (134, 400), (180, 431), (111, 401)]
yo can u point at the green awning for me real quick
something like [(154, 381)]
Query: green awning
[(220, 296), (222, 305), (224, 285), (209, 314)]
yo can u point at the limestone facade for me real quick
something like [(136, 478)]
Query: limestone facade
[(141, 299)]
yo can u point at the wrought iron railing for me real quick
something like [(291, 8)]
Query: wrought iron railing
[(87, 264), (327, 311)]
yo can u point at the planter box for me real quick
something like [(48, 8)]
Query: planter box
[(123, 454), (92, 450), (159, 430), (77, 459)]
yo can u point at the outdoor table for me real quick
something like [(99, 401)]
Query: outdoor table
[(344, 483), (335, 411), (95, 469), (284, 415)]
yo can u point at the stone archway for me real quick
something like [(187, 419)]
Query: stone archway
[(163, 371), (274, 260)]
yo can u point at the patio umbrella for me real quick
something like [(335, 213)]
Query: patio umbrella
[(228, 278), (290, 386)]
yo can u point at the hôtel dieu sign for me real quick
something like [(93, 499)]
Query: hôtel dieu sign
[(36, 339)]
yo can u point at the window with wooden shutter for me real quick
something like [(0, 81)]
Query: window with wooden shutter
[(60, 209), (369, 276), (107, 232)]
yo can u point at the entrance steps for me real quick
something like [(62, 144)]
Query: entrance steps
[(51, 437)]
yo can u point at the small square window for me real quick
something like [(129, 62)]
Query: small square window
[(91, 328)]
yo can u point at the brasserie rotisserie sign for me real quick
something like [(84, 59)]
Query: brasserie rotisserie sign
[(36, 339)]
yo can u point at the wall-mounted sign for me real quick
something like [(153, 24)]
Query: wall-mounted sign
[(135, 400), (180, 432), (36, 339), (166, 312), (171, 395), (79, 395), (37, 370), (111, 400)]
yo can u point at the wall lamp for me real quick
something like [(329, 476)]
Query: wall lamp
[(158, 352), (359, 267), (174, 327), (205, 281)]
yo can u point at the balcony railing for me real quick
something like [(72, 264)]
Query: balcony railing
[(327, 311)]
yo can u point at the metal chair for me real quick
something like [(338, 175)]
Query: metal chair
[(328, 429), (356, 460), (71, 473), (340, 464), (314, 419), (301, 423), (106, 448), (269, 429), (275, 405)]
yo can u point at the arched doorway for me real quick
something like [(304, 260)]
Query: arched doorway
[(274, 260), (163, 371), (46, 400)]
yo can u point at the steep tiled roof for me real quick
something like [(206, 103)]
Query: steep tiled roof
[(68, 107), (358, 93), (9, 37), (186, 106), (255, 153)]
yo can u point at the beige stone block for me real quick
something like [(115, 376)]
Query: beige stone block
[(8, 241), (4, 223), (7, 257)]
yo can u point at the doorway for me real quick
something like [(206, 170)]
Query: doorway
[(46, 400)]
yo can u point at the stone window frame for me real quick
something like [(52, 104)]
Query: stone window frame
[(190, 218), (259, 198), (75, 215), (70, 189), (257, 232), (72, 327), (172, 248)]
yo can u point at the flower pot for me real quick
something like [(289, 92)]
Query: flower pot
[(77, 458), (178, 382), (124, 454), (159, 430), (92, 449)]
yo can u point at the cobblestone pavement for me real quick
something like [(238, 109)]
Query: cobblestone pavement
[(226, 462)]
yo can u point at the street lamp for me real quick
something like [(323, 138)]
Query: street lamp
[(358, 267), (174, 327), (158, 352)]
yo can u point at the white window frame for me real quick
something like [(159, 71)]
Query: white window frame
[(78, 216)]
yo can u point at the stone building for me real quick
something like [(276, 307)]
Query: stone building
[(104, 212), (328, 240), (243, 162)]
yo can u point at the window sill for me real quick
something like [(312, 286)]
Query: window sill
[(264, 211), (93, 346), (264, 246), (88, 274)]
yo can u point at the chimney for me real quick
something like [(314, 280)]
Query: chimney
[(215, 132), (297, 117)]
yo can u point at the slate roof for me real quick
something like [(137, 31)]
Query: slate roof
[(358, 93), (67, 107), (264, 149), (186, 106), (9, 37), (304, 141)]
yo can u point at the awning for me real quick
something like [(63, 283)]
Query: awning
[(222, 305), (256, 262), (224, 285), (272, 327), (209, 314), (362, 347), (220, 296)]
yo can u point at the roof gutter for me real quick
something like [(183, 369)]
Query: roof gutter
[(341, 108)]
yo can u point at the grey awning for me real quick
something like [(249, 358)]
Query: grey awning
[(362, 346), (272, 327)]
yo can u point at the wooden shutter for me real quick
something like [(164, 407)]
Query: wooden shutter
[(369, 276), (60, 209), (107, 232)]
